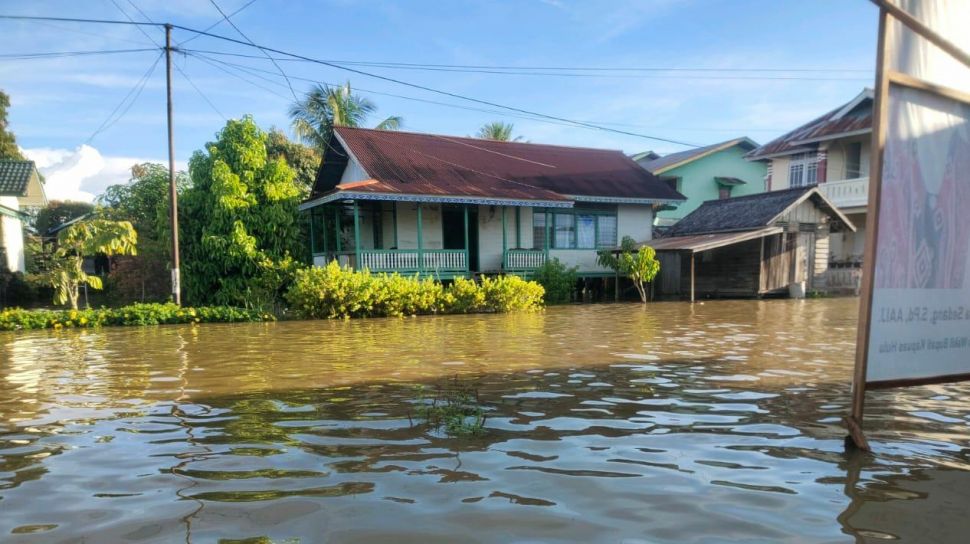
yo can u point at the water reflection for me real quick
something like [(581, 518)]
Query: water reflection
[(717, 422)]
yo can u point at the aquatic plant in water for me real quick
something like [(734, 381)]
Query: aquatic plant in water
[(455, 409)]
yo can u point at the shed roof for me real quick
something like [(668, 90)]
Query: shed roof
[(673, 160), (703, 242), (751, 211), (853, 117), (15, 177), (407, 163)]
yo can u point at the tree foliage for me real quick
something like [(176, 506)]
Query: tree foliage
[(497, 130), (304, 160), (325, 107), (86, 238), (144, 200), (558, 280), (640, 265), (239, 220), (58, 212), (8, 142)]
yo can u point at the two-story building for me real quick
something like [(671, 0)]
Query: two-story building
[(448, 206), (832, 152), (711, 172)]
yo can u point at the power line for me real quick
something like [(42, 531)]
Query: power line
[(140, 29), (59, 54), (212, 62), (133, 94), (459, 67), (217, 23), (76, 20), (245, 37), (198, 90), (441, 92)]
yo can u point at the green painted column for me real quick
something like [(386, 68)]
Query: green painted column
[(545, 232), (518, 226), (336, 228), (468, 263), (394, 218), (356, 236), (505, 243), (420, 241), (313, 245)]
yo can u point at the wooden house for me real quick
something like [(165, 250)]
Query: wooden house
[(757, 245), (448, 206)]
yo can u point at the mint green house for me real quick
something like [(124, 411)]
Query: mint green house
[(705, 173)]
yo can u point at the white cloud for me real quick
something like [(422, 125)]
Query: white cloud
[(83, 172)]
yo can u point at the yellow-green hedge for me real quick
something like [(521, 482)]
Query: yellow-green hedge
[(335, 292), (135, 314)]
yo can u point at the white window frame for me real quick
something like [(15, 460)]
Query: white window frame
[(803, 170)]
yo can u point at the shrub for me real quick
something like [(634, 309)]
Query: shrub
[(135, 314), (335, 292), (558, 280)]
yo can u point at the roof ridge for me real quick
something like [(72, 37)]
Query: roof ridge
[(472, 138)]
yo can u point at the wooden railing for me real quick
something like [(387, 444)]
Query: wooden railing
[(847, 193), (412, 260), (524, 259)]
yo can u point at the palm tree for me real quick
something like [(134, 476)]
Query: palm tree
[(497, 130), (325, 107)]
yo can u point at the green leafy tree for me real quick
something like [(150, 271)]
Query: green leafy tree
[(239, 218), (58, 212), (303, 159), (326, 107), (558, 280), (144, 201), (638, 264), (497, 130), (97, 236), (8, 142)]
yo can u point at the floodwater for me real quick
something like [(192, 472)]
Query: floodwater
[(718, 422)]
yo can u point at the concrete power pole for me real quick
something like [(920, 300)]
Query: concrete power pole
[(173, 190)]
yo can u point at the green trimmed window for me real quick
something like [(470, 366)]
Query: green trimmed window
[(587, 226)]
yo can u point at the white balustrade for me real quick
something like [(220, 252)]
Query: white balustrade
[(524, 259), (847, 193)]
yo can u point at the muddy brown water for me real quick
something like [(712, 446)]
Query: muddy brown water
[(718, 422)]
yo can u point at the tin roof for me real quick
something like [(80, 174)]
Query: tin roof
[(15, 177), (410, 163), (673, 160), (853, 117), (703, 242), (750, 212)]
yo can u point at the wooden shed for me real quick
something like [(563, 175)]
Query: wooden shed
[(749, 246)]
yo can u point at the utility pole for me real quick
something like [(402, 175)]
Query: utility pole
[(173, 190)]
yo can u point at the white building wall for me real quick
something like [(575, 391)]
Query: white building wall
[(779, 174), (635, 221), (12, 237), (490, 234), (353, 172), (407, 226)]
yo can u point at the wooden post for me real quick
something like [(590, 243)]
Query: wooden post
[(693, 257), (420, 242), (854, 420), (172, 189), (468, 255), (356, 236)]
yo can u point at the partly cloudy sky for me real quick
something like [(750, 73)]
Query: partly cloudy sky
[(87, 119)]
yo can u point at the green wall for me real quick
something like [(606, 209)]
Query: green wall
[(697, 179)]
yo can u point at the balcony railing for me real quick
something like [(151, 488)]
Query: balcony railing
[(524, 259), (448, 261), (847, 193)]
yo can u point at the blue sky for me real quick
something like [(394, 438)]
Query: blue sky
[(58, 104)]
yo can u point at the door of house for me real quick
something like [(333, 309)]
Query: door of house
[(453, 231)]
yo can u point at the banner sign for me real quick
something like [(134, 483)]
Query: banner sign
[(920, 314)]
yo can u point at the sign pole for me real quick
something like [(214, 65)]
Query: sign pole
[(854, 421)]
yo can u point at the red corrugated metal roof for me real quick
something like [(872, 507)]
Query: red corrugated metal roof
[(429, 164), (835, 122)]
